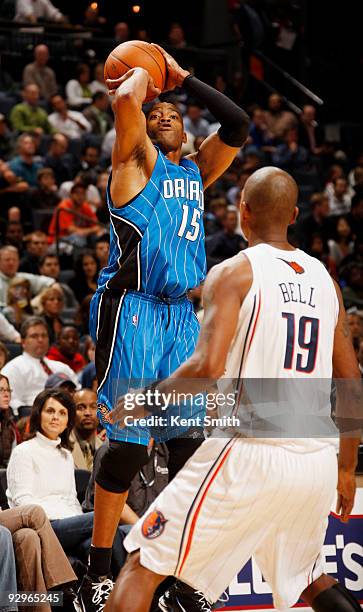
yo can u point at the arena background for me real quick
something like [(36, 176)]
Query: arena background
[(321, 48)]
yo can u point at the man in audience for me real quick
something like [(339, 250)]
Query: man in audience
[(226, 243), (102, 249), (355, 323), (278, 120), (97, 115), (213, 219), (28, 372), (84, 435), (70, 123), (58, 159), (39, 73), (45, 196), (290, 155), (193, 121), (9, 266), (66, 349), (36, 246), (70, 224), (14, 236), (310, 133), (339, 199), (28, 116), (122, 32), (49, 266), (355, 217), (24, 164), (34, 10), (317, 222)]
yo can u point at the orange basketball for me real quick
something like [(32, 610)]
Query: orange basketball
[(137, 53)]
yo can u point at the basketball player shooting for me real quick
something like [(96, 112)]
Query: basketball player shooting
[(143, 324), (271, 312)]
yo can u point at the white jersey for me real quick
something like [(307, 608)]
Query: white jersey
[(286, 331), (238, 497)]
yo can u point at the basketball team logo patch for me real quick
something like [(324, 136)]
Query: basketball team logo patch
[(154, 525), (104, 412), (294, 265), (135, 319)]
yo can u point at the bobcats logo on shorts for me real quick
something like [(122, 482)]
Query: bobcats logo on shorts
[(104, 412), (153, 525)]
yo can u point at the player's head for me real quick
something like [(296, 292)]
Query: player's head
[(165, 127), (268, 204)]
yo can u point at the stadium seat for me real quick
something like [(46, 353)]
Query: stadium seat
[(82, 479)]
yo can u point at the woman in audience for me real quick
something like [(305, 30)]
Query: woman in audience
[(86, 273), (51, 308), (78, 90), (98, 83), (9, 433), (41, 471), (341, 245), (19, 307)]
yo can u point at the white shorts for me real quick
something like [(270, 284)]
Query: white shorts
[(234, 499)]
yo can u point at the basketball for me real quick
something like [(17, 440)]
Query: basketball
[(133, 54)]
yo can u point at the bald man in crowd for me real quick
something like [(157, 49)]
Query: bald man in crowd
[(271, 312), (40, 74)]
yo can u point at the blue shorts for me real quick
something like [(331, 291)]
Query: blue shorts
[(141, 338)]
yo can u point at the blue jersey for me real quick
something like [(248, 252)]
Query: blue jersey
[(157, 239)]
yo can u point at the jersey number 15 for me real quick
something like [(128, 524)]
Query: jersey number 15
[(194, 223), (311, 345)]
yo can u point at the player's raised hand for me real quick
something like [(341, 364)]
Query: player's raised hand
[(114, 84), (346, 493), (175, 74)]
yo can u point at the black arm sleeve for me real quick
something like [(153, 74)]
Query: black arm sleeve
[(234, 121)]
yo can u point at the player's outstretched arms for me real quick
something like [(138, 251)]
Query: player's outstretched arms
[(349, 410)]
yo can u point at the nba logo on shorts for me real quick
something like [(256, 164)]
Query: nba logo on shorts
[(135, 319), (153, 525)]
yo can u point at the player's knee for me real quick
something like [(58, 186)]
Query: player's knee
[(120, 464), (335, 598)]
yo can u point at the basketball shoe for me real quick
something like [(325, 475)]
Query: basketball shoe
[(182, 598), (93, 593)]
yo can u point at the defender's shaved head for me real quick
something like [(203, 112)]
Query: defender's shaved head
[(270, 194)]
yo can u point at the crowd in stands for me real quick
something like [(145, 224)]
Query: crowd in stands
[(55, 155)]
